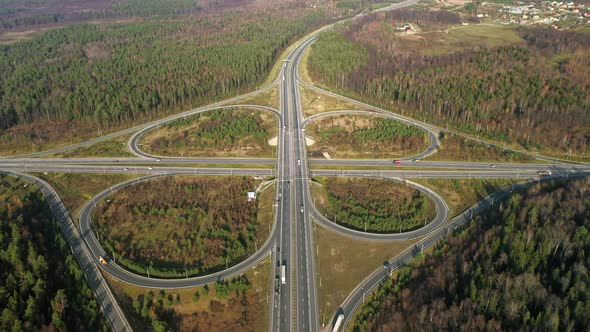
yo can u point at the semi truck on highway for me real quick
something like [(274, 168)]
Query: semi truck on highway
[(283, 274), (338, 323)]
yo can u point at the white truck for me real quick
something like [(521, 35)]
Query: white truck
[(338, 323), (283, 274)]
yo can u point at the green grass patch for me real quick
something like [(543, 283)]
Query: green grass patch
[(462, 38)]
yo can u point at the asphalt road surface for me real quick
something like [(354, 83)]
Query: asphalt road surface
[(294, 303)]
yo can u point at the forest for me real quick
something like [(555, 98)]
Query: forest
[(230, 131), (42, 287), (179, 226), (365, 136), (535, 94), (19, 13), (81, 80), (379, 206), (522, 265)]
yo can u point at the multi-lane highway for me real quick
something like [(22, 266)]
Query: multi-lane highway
[(295, 301)]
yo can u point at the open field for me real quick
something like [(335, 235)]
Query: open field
[(314, 102), (221, 133), (182, 225), (343, 263), (363, 136), (372, 205), (248, 311), (75, 189), (461, 194), (461, 38)]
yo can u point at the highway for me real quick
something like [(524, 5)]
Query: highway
[(307, 301), (295, 303)]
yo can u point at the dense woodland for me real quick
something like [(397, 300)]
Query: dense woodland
[(379, 205), (535, 93), (177, 226), (365, 135), (92, 77), (41, 285), (18, 13), (239, 132), (521, 266)]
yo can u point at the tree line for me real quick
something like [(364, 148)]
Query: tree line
[(523, 265), (41, 284), (536, 93)]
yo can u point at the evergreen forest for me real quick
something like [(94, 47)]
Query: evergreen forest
[(75, 82), (41, 284), (522, 265)]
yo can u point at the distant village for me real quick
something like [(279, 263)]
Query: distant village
[(557, 14)]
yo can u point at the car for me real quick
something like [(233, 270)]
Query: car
[(416, 160), (102, 260), (493, 166), (397, 162), (386, 265), (150, 168), (158, 159), (125, 169), (299, 162), (280, 194), (302, 208)]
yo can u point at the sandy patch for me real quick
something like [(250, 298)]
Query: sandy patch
[(326, 155), (309, 141), (273, 141)]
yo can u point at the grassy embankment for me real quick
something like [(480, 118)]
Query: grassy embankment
[(343, 263)]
